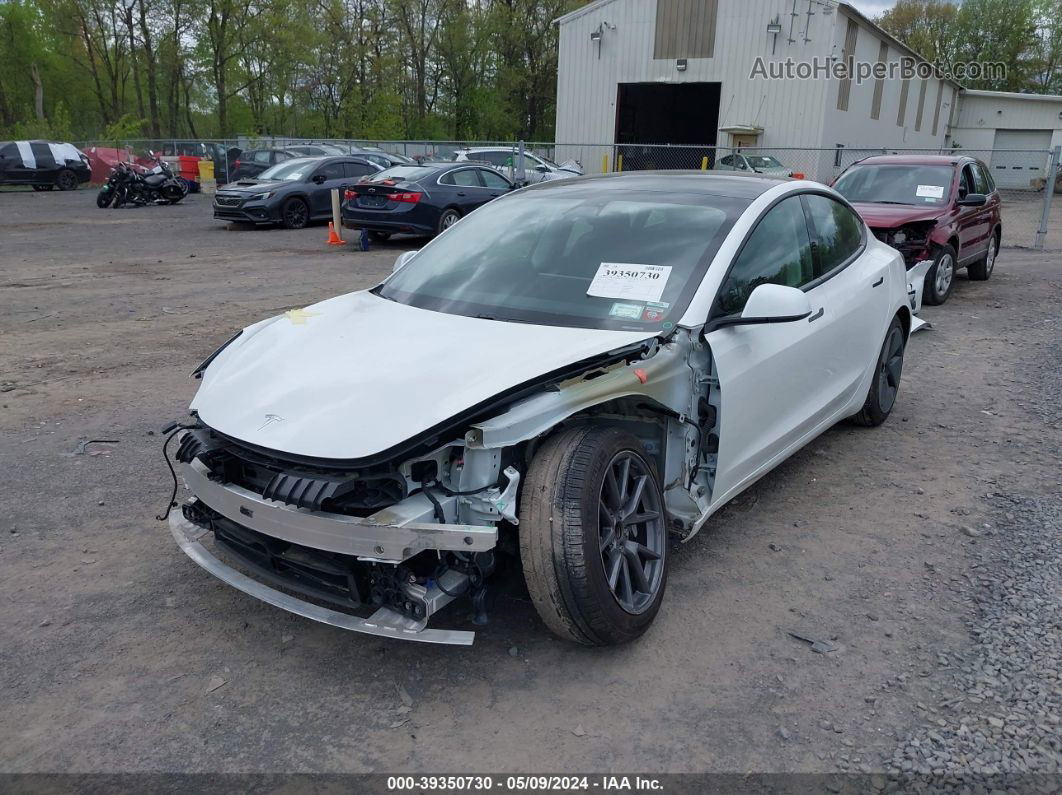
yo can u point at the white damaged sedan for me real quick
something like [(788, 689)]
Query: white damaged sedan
[(570, 377)]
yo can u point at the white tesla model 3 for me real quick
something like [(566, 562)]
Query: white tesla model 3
[(571, 375)]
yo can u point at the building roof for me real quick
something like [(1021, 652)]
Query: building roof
[(580, 11), (1012, 95), (855, 12)]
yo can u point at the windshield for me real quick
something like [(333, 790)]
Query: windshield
[(896, 184), (588, 256), (763, 161), (291, 171)]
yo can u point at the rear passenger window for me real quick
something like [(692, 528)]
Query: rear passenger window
[(261, 156), (358, 169), (466, 178), (838, 232), (777, 252)]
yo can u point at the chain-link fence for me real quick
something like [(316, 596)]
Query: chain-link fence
[(1024, 178)]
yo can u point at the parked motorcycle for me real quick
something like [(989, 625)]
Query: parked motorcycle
[(116, 188), (159, 185)]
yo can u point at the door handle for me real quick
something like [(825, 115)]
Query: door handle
[(817, 315), (879, 282), (460, 193)]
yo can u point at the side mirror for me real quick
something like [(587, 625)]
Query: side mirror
[(403, 258), (972, 200), (769, 303), (541, 169), (318, 179)]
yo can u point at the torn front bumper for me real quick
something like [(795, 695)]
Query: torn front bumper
[(385, 622), (389, 537)]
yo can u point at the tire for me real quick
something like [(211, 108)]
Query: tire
[(567, 539), (380, 237), (884, 387), (295, 214), (104, 199), (449, 217), (66, 180), (940, 278), (43, 187), (982, 271)]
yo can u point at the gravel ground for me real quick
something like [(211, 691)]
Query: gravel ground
[(119, 654)]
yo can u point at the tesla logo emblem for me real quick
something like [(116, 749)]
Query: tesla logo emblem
[(269, 420)]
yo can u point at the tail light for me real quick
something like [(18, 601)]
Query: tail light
[(349, 195), (236, 164), (797, 174), (409, 198)]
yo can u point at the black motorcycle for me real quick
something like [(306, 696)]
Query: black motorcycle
[(159, 185), (116, 188)]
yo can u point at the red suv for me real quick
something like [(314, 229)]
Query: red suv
[(942, 208)]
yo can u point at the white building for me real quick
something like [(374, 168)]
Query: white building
[(682, 72), (1011, 125)]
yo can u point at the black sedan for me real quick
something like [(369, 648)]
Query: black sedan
[(43, 164), (292, 193), (420, 200)]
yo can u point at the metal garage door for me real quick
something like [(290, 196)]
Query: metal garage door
[(1014, 169)]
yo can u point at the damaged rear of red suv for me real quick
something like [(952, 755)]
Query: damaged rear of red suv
[(940, 208)]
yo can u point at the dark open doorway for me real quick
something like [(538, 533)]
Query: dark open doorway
[(666, 113)]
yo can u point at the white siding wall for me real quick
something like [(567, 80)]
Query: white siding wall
[(856, 130), (978, 117), (789, 112)]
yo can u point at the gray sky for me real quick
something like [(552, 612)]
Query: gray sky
[(872, 8)]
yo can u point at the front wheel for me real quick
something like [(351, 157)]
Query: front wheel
[(885, 385), (104, 197), (940, 277), (294, 214), (593, 535)]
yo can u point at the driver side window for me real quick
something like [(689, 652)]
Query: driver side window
[(777, 252)]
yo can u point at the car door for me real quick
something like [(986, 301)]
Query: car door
[(322, 181), (983, 221), (495, 184), (9, 160), (854, 290), (968, 218), (469, 192), (774, 384)]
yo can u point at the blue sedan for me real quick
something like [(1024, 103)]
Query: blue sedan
[(420, 199)]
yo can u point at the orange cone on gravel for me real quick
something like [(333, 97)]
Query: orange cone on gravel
[(333, 236)]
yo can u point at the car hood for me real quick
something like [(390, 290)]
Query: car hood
[(245, 186), (357, 375), (887, 216)]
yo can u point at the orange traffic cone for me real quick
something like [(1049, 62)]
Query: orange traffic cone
[(333, 236)]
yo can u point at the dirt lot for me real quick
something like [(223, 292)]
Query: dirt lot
[(119, 654)]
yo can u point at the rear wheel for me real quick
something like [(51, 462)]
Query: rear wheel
[(982, 271), (294, 214), (66, 180), (593, 536), (940, 277), (884, 387), (448, 219)]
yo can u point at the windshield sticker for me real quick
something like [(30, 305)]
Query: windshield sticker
[(930, 191), (628, 280), (653, 315), (631, 311)]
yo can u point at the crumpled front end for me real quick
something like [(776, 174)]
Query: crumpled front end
[(384, 546)]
